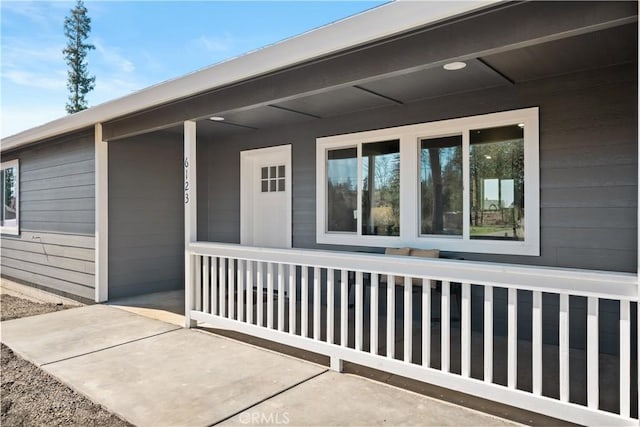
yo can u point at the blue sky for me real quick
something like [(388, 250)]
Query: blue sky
[(137, 44)]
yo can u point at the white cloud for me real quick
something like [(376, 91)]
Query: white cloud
[(215, 44), (112, 57), (53, 81)]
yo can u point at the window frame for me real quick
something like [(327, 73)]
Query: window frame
[(410, 137), (12, 229)]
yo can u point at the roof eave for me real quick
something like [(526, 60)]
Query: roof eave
[(366, 27)]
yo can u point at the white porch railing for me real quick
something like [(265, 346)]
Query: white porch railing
[(302, 298)]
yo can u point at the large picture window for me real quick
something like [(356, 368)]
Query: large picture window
[(466, 185), (9, 215)]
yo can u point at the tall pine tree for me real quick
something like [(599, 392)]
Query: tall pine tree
[(77, 27)]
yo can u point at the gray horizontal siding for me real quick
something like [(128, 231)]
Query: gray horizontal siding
[(588, 165), (57, 192), (55, 248), (63, 263), (146, 215)]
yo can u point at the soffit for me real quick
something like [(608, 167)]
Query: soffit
[(587, 51)]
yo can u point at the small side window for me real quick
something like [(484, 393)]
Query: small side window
[(9, 212)]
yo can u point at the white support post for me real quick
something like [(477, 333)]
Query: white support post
[(101, 155), (190, 216)]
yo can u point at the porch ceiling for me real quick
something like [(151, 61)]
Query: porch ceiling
[(593, 50)]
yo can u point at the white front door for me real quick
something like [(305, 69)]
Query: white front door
[(265, 203)]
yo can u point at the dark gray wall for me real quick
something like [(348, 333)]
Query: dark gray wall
[(55, 248), (146, 215), (588, 162)]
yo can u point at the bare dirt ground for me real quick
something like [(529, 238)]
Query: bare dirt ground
[(31, 397)]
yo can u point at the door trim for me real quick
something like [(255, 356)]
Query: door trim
[(247, 181)]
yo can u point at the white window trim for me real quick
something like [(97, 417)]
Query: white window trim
[(409, 137), (13, 229)]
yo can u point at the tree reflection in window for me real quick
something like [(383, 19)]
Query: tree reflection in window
[(381, 188), (342, 191), (497, 183), (8, 213), (441, 185)]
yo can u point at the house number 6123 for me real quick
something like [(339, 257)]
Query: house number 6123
[(186, 180)]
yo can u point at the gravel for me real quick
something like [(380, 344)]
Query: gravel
[(13, 307), (31, 397)]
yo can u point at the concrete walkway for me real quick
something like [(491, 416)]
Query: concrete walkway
[(154, 373)]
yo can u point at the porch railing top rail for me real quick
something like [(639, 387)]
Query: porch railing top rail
[(587, 283)]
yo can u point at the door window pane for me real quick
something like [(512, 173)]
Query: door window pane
[(342, 191), (441, 185), (497, 183), (381, 188)]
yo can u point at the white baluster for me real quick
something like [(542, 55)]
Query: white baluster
[(465, 326), (198, 283), (488, 334), (512, 338), (259, 296), (391, 316), (408, 319), (330, 304), (232, 287), (205, 284), (359, 311), (592, 353), (240, 272), (563, 344), (445, 323), (249, 292), (281, 276), (222, 302), (304, 303), (292, 299), (317, 299), (536, 343), (374, 314), (214, 285), (344, 303), (426, 322), (270, 295)]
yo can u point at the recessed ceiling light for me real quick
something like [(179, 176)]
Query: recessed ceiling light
[(452, 66), (216, 118), (520, 125)]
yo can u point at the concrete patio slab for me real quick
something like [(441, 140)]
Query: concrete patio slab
[(166, 306), (333, 399), (184, 377), (69, 333)]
